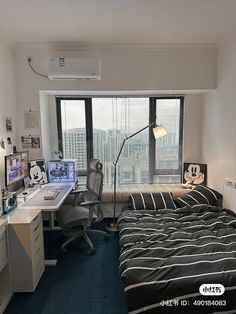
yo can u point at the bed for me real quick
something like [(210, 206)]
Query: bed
[(166, 255)]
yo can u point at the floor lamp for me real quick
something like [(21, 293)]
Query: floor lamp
[(158, 131)]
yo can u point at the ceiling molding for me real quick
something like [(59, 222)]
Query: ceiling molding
[(120, 93), (83, 46)]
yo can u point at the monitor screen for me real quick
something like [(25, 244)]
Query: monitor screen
[(61, 171), (16, 167)]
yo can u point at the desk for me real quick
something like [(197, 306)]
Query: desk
[(5, 273), (26, 249), (26, 245), (36, 200), (23, 240)]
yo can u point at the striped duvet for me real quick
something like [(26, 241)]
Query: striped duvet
[(167, 254)]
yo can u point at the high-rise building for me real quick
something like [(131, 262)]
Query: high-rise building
[(133, 166)]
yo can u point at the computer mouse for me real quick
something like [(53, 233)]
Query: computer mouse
[(24, 193), (58, 188)]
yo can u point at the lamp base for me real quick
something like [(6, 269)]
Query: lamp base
[(112, 227)]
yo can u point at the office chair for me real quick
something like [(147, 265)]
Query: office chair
[(76, 220)]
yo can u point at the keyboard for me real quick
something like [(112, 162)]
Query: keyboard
[(51, 195)]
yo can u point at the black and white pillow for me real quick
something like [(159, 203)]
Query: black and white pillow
[(199, 195), (160, 200)]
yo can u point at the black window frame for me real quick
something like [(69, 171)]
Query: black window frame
[(152, 142), (88, 126), (153, 171)]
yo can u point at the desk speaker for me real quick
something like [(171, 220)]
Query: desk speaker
[(9, 202)]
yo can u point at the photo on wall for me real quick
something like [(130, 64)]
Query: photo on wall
[(30, 142), (7, 124), (37, 172), (195, 173)]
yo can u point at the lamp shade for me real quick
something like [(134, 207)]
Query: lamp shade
[(159, 131)]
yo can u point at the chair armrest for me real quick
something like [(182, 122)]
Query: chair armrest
[(78, 190), (90, 208), (89, 203)]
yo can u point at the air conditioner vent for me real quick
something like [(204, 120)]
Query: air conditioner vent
[(74, 69)]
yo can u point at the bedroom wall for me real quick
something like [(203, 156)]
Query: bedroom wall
[(129, 69), (219, 127), (7, 102)]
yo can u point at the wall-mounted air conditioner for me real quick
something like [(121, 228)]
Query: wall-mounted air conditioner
[(74, 69)]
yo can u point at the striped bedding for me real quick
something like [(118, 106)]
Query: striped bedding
[(167, 254)]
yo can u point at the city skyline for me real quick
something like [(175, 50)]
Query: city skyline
[(112, 120), (133, 165)]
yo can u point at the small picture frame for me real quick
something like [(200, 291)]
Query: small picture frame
[(194, 173), (30, 142), (37, 171), (7, 122)]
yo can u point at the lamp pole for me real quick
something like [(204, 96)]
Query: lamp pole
[(112, 226)]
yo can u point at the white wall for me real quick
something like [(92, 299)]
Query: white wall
[(192, 128), (219, 116), (7, 102), (124, 69)]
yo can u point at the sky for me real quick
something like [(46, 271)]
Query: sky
[(128, 114)]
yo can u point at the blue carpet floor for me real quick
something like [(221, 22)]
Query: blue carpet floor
[(80, 283)]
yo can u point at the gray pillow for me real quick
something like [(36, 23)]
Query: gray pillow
[(160, 200), (199, 195)]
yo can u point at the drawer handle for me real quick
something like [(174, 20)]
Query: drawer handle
[(37, 252), (36, 227), (37, 237), (38, 264)]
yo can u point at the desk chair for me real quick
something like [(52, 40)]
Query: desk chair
[(76, 219)]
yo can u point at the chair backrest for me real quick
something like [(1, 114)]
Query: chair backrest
[(95, 177)]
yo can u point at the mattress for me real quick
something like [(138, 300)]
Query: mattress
[(166, 255)]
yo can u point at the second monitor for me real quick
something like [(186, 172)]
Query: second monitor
[(61, 171)]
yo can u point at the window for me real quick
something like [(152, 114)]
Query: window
[(168, 149), (95, 128), (73, 131), (113, 119)]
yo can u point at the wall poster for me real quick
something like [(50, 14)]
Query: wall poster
[(30, 119), (7, 122), (37, 171), (30, 142), (195, 173)]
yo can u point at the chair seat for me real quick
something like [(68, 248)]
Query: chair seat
[(72, 216)]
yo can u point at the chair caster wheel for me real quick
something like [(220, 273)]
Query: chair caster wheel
[(92, 251)]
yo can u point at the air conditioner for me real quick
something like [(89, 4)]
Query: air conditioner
[(74, 69)]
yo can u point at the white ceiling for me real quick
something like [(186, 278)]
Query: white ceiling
[(118, 21)]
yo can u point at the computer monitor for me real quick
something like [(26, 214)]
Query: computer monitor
[(16, 167), (61, 171)]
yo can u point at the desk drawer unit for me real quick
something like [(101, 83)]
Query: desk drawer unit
[(5, 275), (26, 243), (3, 248)]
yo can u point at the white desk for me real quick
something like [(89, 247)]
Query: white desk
[(26, 249), (26, 242), (5, 272), (36, 200)]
